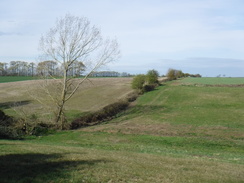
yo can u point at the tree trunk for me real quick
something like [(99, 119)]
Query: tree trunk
[(60, 113)]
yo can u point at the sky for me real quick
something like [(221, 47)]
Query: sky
[(195, 36)]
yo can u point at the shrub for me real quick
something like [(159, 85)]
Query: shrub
[(148, 88), (179, 74), (5, 120), (171, 74), (144, 83), (7, 128), (10, 132), (42, 129), (152, 77), (18, 128), (138, 82), (132, 96)]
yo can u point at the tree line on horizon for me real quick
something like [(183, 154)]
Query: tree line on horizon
[(44, 68), (51, 68)]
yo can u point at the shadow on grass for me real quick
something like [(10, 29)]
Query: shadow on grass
[(7, 105), (39, 167)]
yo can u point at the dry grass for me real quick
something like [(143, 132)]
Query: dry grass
[(94, 94), (97, 93)]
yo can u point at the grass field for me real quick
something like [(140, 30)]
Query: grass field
[(177, 133)]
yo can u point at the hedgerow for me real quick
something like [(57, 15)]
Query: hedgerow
[(107, 113)]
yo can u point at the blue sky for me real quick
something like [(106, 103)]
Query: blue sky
[(196, 36)]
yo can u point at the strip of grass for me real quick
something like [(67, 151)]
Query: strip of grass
[(6, 79), (213, 81)]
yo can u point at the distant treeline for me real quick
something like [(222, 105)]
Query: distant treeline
[(50, 68), (44, 68)]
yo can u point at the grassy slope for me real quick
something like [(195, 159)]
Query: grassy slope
[(181, 110), (173, 134)]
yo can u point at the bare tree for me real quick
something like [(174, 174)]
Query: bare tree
[(74, 39), (47, 68), (31, 69), (1, 69), (76, 69)]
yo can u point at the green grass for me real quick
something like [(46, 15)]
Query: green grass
[(196, 105), (222, 150), (172, 110), (6, 79), (213, 81), (173, 134), (102, 157)]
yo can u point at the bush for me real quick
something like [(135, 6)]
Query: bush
[(7, 128), (171, 74), (42, 129), (148, 88), (18, 128), (152, 77), (5, 120), (132, 96), (144, 83), (9, 132), (138, 82)]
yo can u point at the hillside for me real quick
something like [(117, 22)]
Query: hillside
[(94, 94), (176, 133)]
